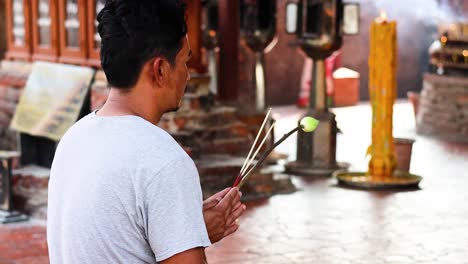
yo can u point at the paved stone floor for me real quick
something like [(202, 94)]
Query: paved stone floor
[(324, 223)]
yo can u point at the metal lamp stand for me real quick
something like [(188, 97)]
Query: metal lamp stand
[(7, 214)]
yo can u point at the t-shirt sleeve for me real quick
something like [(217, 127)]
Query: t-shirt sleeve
[(174, 213)]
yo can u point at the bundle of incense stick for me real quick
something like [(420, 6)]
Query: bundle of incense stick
[(307, 124)]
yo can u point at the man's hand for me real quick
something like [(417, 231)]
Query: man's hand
[(221, 211)]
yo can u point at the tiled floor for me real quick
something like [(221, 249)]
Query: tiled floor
[(326, 224), (23, 243)]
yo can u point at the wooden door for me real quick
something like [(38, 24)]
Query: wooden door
[(194, 35), (94, 40), (18, 29), (45, 42), (72, 30)]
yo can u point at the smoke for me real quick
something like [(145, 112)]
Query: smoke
[(429, 12), (419, 23)]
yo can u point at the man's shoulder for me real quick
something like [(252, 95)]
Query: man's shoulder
[(130, 136), (125, 127), (155, 145)]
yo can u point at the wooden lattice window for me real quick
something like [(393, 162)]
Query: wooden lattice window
[(18, 29), (72, 30), (45, 30)]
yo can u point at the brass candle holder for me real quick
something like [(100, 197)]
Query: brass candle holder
[(382, 171)]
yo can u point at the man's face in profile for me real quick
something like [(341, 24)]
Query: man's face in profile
[(180, 75)]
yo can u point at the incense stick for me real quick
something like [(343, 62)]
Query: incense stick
[(259, 147), (265, 155), (306, 124), (255, 142)]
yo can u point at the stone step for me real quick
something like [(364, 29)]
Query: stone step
[(30, 184), (232, 130), (220, 171), (197, 120), (231, 146)]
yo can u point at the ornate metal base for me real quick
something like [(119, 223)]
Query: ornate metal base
[(305, 169), (12, 217), (361, 180)]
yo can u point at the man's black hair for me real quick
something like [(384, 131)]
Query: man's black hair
[(135, 31)]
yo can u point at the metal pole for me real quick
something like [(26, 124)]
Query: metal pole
[(7, 213), (213, 71), (260, 82), (5, 172), (318, 89)]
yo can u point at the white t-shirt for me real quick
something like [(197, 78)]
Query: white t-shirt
[(122, 190)]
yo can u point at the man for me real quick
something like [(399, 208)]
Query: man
[(121, 189)]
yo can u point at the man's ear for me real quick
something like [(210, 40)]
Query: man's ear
[(161, 70), (158, 70)]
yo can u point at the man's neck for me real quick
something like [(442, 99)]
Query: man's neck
[(119, 104)]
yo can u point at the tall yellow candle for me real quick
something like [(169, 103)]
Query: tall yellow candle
[(382, 90)]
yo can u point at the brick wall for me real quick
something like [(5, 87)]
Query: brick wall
[(443, 108), (13, 77)]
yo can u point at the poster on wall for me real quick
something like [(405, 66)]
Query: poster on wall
[(52, 99)]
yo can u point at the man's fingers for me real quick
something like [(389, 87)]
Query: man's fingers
[(236, 199), (215, 199), (222, 193), (236, 213), (231, 230), (227, 200), (237, 206)]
